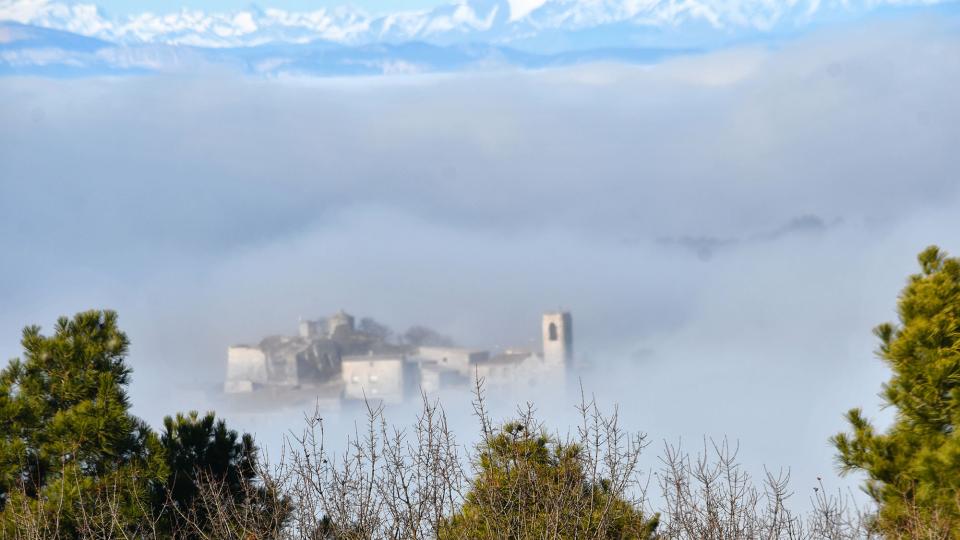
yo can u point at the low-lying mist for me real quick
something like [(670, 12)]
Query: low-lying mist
[(726, 229)]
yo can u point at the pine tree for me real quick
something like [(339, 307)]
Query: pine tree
[(67, 433), (530, 485), (74, 462), (913, 468), (202, 449)]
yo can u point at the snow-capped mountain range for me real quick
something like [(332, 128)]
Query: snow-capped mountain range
[(463, 21), (466, 32)]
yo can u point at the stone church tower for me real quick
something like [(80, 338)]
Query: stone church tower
[(558, 338)]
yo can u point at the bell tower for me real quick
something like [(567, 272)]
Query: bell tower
[(558, 338)]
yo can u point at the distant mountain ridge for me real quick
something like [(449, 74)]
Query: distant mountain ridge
[(59, 39), (543, 26), (31, 50)]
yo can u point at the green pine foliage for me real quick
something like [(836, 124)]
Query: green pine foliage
[(72, 456), (530, 485), (68, 435), (913, 468), (200, 449)]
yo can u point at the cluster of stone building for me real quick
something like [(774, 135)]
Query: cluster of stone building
[(334, 352)]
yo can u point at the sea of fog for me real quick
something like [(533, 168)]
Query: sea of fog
[(726, 229)]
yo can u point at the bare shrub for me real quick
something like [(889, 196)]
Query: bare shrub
[(217, 513), (527, 483), (710, 496), (79, 506), (388, 483), (415, 483), (517, 482)]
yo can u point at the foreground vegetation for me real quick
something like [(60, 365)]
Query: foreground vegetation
[(74, 463)]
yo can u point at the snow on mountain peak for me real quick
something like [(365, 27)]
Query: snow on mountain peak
[(463, 21), (521, 8)]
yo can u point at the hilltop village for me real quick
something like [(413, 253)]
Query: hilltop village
[(358, 362)]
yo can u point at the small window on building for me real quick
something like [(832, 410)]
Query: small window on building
[(552, 332), (354, 379), (374, 378)]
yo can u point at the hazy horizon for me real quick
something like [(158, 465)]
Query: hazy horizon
[(726, 228)]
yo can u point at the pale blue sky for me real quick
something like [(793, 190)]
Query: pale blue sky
[(120, 7)]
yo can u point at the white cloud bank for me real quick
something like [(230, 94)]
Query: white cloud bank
[(726, 228)]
